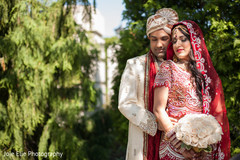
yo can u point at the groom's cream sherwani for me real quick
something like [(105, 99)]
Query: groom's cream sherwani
[(131, 105)]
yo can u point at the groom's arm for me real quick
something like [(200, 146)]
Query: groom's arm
[(129, 104)]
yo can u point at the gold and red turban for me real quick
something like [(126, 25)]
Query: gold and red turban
[(164, 18)]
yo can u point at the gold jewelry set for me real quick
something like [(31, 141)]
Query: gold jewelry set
[(182, 27)]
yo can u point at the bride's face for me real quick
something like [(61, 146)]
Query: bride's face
[(181, 45)]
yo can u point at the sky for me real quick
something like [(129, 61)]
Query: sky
[(111, 10)]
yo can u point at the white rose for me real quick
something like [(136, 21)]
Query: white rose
[(194, 144), (179, 135), (207, 139), (202, 133), (195, 139), (218, 130), (210, 129), (202, 144), (186, 139), (186, 128), (212, 140), (177, 127), (195, 129), (218, 138)]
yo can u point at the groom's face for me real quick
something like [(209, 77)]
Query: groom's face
[(159, 41)]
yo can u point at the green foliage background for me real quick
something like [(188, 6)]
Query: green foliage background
[(46, 90), (47, 98)]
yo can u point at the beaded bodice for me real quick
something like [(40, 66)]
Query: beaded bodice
[(182, 96)]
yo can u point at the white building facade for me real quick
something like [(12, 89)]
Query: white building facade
[(105, 68)]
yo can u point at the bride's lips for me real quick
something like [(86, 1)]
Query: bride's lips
[(179, 50)]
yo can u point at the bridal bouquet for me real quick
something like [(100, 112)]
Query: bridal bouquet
[(198, 131)]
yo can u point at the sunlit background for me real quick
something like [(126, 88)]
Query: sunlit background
[(61, 63)]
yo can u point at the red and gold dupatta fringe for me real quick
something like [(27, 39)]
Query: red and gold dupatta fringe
[(151, 143)]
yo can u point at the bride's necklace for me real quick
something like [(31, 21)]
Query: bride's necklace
[(183, 65)]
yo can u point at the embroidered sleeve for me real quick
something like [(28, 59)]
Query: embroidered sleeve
[(129, 97), (150, 125), (163, 77)]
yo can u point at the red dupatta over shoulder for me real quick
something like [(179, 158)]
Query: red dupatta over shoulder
[(213, 96), (151, 143)]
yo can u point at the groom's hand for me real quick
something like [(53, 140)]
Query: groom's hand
[(160, 127)]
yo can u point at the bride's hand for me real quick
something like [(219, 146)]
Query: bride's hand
[(173, 120)]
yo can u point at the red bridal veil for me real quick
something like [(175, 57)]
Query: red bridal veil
[(213, 96)]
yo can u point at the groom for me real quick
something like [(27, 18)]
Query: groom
[(136, 89)]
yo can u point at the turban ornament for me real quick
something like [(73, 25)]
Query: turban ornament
[(164, 18)]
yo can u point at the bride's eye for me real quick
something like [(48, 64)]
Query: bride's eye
[(184, 39)]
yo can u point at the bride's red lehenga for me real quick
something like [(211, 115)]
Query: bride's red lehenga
[(182, 98)]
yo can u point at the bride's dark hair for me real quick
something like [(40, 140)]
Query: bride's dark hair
[(192, 66)]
